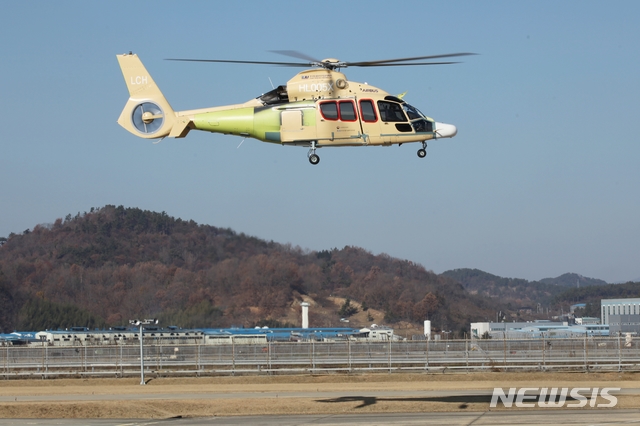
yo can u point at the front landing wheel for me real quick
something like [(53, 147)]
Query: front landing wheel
[(314, 159), (422, 153)]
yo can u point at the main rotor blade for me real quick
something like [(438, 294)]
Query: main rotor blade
[(404, 65), (331, 65), (416, 58), (286, 64), (295, 54)]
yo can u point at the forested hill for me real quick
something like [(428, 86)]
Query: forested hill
[(555, 293), (515, 292), (573, 280), (594, 294), (113, 264)]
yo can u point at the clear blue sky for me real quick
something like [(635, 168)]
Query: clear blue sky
[(542, 179)]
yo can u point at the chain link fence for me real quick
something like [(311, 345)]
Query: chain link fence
[(602, 354)]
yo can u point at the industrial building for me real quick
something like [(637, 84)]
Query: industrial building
[(17, 338), (624, 324), (283, 334), (80, 336), (587, 320), (535, 329), (478, 329), (618, 316), (610, 307)]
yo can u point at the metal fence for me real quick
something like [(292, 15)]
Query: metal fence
[(606, 353)]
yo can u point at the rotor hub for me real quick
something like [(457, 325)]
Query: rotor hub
[(332, 63), (147, 117)]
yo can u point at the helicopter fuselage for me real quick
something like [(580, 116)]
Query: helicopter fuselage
[(317, 108)]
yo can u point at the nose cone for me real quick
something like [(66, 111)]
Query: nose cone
[(444, 130)]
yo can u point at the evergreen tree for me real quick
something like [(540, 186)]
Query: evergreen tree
[(347, 309)]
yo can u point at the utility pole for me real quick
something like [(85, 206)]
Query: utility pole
[(141, 324)]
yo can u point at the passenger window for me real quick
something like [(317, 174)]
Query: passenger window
[(329, 110), (368, 111), (347, 111)]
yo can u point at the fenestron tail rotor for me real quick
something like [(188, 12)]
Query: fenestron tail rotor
[(147, 113), (147, 117)]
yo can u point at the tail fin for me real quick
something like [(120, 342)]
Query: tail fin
[(147, 114)]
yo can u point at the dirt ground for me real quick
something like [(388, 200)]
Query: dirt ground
[(250, 395)]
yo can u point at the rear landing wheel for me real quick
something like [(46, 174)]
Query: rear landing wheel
[(422, 153), (314, 159)]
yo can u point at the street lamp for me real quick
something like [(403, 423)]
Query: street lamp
[(141, 324)]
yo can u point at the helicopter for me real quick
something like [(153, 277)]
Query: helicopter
[(319, 107)]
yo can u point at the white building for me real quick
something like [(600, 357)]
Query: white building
[(478, 329), (535, 330), (376, 332), (618, 307), (587, 321), (88, 337)]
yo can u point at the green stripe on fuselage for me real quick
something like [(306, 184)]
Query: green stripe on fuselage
[(262, 123), (238, 121), (241, 122), (266, 124)]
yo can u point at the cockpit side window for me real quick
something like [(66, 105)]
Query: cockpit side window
[(391, 112), (276, 96), (422, 126)]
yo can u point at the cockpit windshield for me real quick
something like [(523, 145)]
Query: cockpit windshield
[(419, 121), (412, 112)]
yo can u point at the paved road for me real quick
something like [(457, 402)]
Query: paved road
[(528, 418)]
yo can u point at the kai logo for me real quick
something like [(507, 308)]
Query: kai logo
[(551, 398), (316, 87), (138, 79)]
